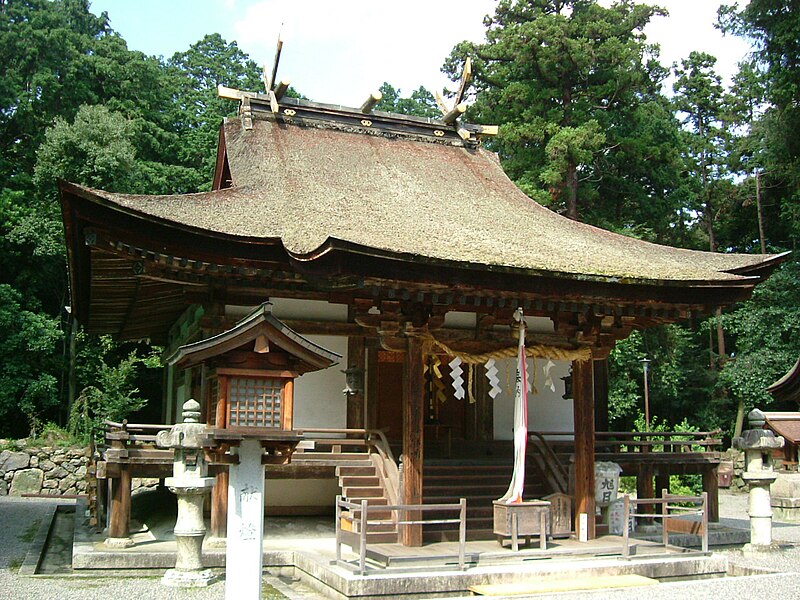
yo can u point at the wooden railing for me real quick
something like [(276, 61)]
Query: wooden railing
[(141, 433), (549, 463), (634, 442), (373, 441), (673, 517), (658, 441), (357, 516)]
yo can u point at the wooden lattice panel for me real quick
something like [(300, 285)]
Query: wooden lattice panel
[(255, 402)]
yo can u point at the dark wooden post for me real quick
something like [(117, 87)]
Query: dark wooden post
[(119, 525), (583, 393), (711, 486), (645, 489), (413, 423), (662, 483), (601, 394), (219, 505), (356, 357)]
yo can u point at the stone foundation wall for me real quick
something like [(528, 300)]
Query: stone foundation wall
[(47, 470)]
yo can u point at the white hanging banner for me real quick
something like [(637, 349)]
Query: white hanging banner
[(548, 376), (456, 373), (517, 485), (494, 380)]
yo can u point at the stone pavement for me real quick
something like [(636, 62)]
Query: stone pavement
[(20, 519)]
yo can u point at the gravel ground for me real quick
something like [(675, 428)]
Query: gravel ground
[(19, 520)]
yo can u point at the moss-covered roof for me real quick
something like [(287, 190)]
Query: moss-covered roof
[(315, 188)]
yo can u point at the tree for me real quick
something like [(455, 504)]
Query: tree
[(197, 110), (563, 78), (421, 103)]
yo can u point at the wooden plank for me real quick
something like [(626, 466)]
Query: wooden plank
[(711, 487), (219, 506), (583, 392), (413, 427), (678, 525), (119, 524), (356, 358)]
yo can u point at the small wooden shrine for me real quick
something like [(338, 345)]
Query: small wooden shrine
[(249, 372)]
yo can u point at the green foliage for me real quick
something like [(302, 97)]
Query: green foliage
[(29, 362), (112, 395), (766, 330), (421, 103), (565, 79)]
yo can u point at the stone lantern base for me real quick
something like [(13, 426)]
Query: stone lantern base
[(188, 579)]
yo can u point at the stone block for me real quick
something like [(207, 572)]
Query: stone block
[(12, 461), (80, 471), (58, 473), (34, 462), (27, 481), (49, 484), (787, 485), (3, 487), (47, 465)]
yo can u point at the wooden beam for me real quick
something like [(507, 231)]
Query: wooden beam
[(711, 486), (119, 523), (454, 113), (413, 427), (356, 357), (274, 76), (219, 506), (281, 89), (371, 102), (583, 392), (601, 395), (466, 75)]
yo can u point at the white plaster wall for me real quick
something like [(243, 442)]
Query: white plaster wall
[(318, 397), (547, 410), (301, 492), (315, 310)]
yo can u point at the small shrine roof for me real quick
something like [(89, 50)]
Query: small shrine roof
[(260, 322)]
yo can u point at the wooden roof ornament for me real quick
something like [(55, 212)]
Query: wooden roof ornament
[(335, 203), (261, 332)]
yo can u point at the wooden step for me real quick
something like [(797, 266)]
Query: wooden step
[(359, 481), (362, 492), (355, 470)]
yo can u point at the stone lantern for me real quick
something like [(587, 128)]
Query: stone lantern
[(758, 444), (189, 482)]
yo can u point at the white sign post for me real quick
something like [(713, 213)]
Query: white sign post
[(244, 555)]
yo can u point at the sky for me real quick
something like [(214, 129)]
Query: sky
[(339, 51)]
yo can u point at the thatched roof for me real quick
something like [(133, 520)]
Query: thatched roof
[(315, 189)]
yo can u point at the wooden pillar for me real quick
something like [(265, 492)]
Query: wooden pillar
[(119, 525), (356, 358), (711, 486), (219, 505), (583, 393), (413, 426), (645, 488), (601, 394), (662, 483)]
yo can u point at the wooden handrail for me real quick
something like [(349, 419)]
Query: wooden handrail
[(669, 521), (359, 514), (551, 463)]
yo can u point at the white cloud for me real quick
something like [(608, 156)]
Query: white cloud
[(340, 51)]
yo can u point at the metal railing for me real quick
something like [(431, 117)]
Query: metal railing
[(357, 515), (680, 520)]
